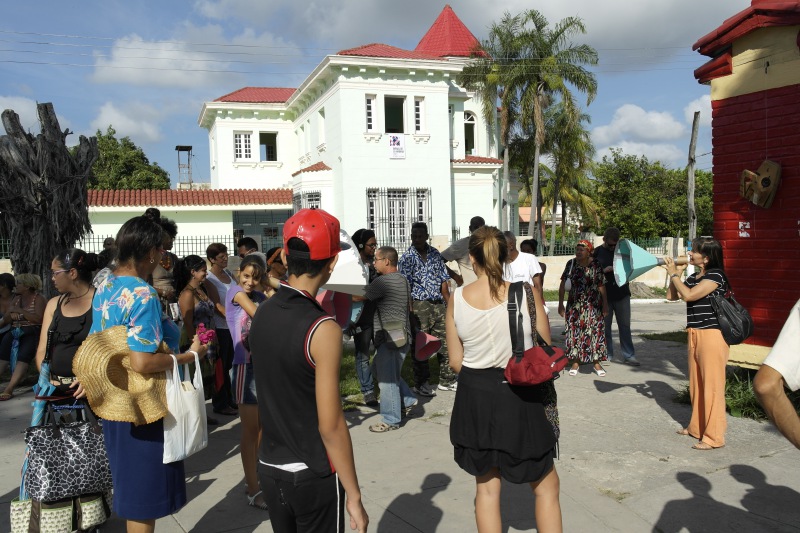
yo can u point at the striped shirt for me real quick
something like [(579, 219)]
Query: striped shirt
[(700, 314), (390, 292)]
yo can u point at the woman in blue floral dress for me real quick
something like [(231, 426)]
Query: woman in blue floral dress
[(144, 488), (584, 315)]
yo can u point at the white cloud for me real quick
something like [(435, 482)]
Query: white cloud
[(627, 34), (631, 122), (25, 108), (136, 120), (193, 57), (669, 154), (702, 104)]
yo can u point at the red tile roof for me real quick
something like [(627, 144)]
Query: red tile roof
[(448, 36), (258, 95), (474, 159), (760, 14), (385, 50), (316, 167), (198, 197)]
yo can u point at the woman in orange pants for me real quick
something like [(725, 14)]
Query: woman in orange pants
[(708, 352)]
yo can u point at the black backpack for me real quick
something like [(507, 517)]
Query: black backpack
[(735, 321)]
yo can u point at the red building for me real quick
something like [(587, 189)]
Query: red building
[(754, 74)]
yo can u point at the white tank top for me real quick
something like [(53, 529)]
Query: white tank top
[(485, 334), (222, 289)]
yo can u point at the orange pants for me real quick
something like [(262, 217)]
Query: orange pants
[(708, 355)]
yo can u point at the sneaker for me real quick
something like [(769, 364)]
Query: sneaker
[(370, 399), (424, 390), (382, 427), (632, 361), (407, 411), (451, 387)]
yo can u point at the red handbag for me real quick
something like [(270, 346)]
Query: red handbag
[(534, 366)]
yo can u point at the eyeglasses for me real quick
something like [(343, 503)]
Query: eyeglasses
[(54, 272), (373, 245)]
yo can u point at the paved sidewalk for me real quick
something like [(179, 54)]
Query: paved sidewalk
[(622, 466)]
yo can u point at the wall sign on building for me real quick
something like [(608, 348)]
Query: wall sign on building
[(397, 146)]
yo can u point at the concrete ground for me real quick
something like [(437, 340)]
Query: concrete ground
[(622, 466)]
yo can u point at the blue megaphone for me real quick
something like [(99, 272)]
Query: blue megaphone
[(631, 261)]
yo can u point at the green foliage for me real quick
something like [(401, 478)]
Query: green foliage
[(645, 199), (740, 399), (123, 165)]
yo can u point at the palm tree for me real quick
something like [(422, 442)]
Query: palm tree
[(492, 78), (548, 62), (571, 152)]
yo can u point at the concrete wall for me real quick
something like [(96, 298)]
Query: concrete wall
[(190, 223)]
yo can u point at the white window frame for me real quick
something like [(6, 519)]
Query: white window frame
[(266, 151), (242, 146), (471, 118), (419, 114), (369, 112)]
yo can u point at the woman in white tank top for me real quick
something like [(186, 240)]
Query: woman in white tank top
[(498, 430)]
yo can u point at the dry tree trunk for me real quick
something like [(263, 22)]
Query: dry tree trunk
[(43, 203)]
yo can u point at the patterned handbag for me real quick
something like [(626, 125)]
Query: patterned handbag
[(66, 459)]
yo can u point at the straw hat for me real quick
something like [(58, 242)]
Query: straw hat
[(115, 392)]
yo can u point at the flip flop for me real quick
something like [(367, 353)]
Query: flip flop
[(705, 447), (682, 431), (573, 371), (5, 397), (600, 372)]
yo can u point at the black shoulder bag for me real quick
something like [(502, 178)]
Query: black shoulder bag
[(734, 320)]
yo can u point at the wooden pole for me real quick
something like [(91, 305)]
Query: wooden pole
[(690, 172)]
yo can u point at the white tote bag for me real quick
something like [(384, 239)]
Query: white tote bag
[(185, 426)]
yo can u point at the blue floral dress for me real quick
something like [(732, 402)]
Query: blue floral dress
[(144, 487)]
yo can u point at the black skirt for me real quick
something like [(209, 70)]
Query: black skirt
[(498, 425)]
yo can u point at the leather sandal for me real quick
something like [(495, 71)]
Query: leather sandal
[(704, 446), (382, 427)]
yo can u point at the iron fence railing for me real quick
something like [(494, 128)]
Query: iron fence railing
[(386, 231)]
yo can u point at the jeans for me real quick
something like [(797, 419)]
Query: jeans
[(362, 341), (622, 310), (395, 394)]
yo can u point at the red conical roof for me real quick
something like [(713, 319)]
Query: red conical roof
[(448, 37)]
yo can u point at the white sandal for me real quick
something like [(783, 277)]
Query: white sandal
[(251, 501), (600, 372), (573, 371)]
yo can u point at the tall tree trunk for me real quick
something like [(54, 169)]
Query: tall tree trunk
[(563, 223), (534, 220), (44, 205), (556, 184)]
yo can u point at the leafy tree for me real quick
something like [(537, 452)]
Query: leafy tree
[(571, 152), (123, 165), (645, 200), (551, 62)]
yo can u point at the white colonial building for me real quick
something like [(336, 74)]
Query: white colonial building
[(379, 136)]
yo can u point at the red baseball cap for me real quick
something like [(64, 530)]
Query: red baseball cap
[(318, 229)]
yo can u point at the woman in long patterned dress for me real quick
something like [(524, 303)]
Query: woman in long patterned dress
[(584, 315), (144, 487)]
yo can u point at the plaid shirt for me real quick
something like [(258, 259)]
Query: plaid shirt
[(424, 277)]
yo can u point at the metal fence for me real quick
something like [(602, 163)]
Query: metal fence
[(184, 244), (656, 246)]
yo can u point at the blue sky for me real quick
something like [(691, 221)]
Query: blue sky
[(147, 67)]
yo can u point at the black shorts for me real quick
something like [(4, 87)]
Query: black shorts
[(302, 501)]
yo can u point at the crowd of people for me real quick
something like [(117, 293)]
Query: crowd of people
[(276, 355)]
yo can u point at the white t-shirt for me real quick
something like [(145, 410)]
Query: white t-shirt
[(523, 268), (785, 355)]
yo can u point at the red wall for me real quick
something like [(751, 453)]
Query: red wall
[(763, 269)]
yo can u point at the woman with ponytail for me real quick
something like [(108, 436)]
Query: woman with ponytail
[(498, 430)]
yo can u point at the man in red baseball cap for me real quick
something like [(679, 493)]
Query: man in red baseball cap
[(306, 456)]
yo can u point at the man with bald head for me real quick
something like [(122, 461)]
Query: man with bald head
[(459, 252)]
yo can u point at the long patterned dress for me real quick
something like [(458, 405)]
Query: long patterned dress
[(584, 322)]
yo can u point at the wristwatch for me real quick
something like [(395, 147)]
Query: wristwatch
[(674, 275)]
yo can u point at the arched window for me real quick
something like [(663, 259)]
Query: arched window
[(469, 133)]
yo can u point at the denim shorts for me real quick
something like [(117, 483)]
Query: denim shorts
[(243, 384)]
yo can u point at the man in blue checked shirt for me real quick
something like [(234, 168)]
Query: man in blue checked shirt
[(424, 268)]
